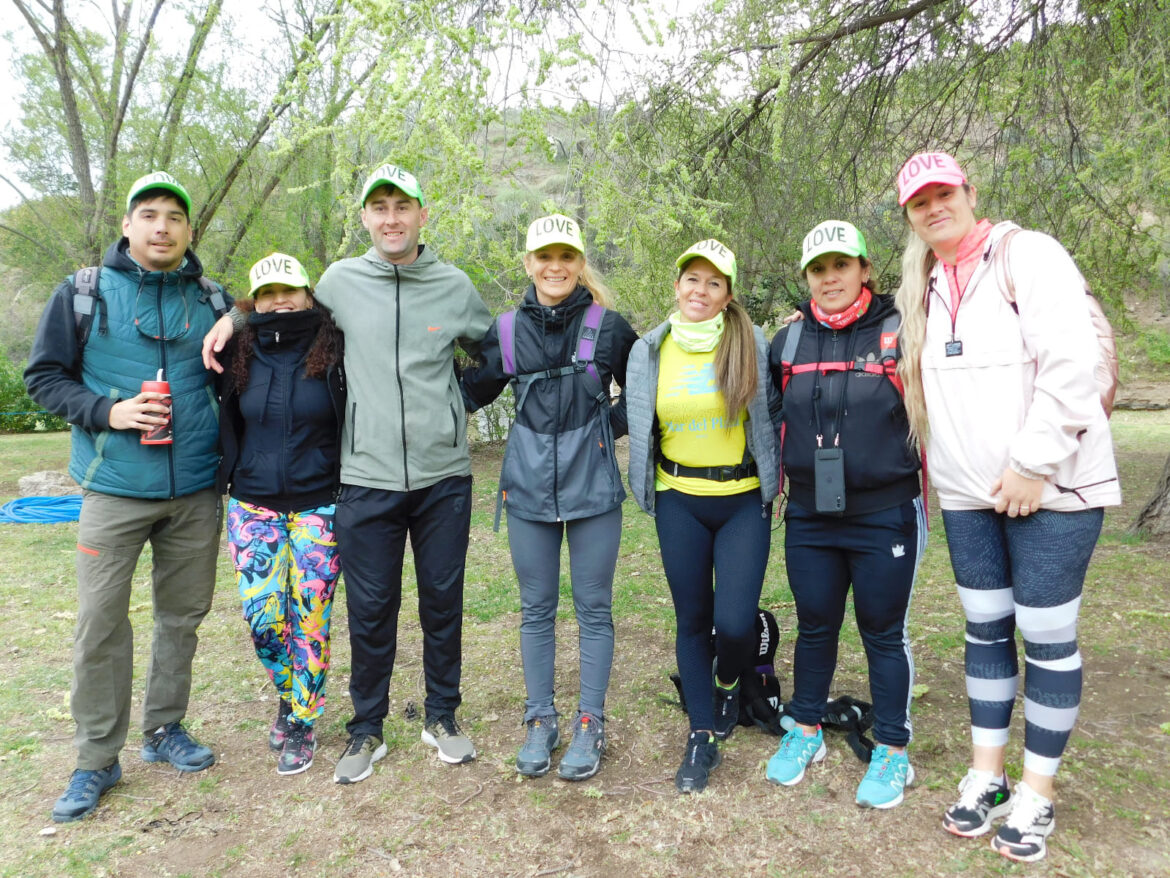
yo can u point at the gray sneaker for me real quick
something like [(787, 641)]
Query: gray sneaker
[(357, 761), (444, 734), (583, 758), (534, 758)]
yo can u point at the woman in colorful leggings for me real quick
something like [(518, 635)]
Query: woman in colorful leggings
[(703, 462), (282, 398), (999, 354)]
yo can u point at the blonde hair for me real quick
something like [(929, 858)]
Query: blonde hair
[(735, 361), (918, 262), (591, 280)]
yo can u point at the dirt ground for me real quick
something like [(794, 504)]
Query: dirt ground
[(416, 816)]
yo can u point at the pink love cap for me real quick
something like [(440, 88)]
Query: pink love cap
[(925, 168)]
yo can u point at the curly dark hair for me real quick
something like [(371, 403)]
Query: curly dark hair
[(327, 350)]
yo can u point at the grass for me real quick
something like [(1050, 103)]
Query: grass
[(416, 816)]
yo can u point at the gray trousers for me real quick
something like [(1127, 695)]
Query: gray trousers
[(184, 537), (536, 555)]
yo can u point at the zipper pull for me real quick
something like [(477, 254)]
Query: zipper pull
[(278, 337)]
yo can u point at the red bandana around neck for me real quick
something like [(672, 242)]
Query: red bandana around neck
[(843, 318)]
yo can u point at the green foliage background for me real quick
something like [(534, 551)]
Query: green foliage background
[(744, 120)]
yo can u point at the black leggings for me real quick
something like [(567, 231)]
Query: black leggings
[(714, 552)]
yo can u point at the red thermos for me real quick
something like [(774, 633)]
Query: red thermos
[(163, 434)]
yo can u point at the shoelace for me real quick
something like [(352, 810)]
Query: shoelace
[(355, 745), (176, 738), (83, 786), (447, 724), (973, 787), (1026, 812), (695, 748), (536, 731)]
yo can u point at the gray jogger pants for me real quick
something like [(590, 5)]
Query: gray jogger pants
[(536, 555)]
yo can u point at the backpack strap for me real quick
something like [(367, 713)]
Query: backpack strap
[(854, 717), (1003, 276), (86, 299), (587, 349), (213, 295), (506, 331), (788, 352), (787, 355)]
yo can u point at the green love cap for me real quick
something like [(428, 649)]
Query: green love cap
[(832, 236), (714, 252), (554, 229), (158, 180), (278, 268), (392, 175)]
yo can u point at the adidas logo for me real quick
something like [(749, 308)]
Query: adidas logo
[(899, 550)]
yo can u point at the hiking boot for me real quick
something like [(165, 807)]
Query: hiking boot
[(583, 758), (444, 734), (890, 772), (172, 743), (86, 787), (701, 757), (1031, 821), (535, 757), (279, 730), (797, 750), (726, 707), (358, 758), (982, 798), (297, 753)]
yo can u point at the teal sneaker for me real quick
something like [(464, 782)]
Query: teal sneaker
[(797, 751), (890, 772)]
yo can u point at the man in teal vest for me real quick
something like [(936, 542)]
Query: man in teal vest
[(145, 319)]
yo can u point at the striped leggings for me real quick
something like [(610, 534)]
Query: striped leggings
[(1024, 573), (286, 568)]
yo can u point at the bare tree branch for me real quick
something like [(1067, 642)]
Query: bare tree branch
[(160, 156)]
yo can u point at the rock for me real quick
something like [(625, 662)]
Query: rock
[(47, 483)]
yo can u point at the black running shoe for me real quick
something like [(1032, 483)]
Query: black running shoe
[(983, 797), (701, 758)]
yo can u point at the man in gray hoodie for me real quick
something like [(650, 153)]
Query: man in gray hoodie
[(405, 467)]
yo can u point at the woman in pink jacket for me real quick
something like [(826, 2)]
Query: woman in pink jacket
[(999, 355)]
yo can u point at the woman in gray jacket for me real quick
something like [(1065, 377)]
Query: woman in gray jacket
[(703, 461), (560, 480)]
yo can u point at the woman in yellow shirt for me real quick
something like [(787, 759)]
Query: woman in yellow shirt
[(703, 462)]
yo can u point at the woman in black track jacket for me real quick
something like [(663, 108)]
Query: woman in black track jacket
[(855, 514)]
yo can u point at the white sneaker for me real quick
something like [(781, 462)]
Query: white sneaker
[(1021, 838)]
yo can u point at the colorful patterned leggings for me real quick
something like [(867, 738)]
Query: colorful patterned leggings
[(286, 568)]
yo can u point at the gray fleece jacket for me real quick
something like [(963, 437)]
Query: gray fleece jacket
[(405, 426), (641, 391)]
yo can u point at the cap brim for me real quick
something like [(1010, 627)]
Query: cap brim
[(946, 179)]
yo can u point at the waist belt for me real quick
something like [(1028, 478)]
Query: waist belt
[(711, 473)]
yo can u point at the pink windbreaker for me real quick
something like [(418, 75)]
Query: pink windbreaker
[(1022, 392)]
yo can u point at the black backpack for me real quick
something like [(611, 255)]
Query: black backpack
[(761, 702)]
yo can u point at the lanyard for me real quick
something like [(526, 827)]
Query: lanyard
[(816, 393)]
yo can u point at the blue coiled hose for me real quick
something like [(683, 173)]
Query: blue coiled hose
[(41, 510)]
